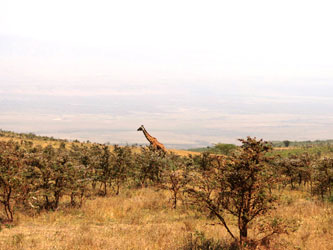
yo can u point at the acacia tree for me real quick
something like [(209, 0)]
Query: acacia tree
[(49, 174), (240, 187), (289, 169), (204, 161), (175, 175), (93, 159), (104, 164), (323, 172), (122, 162), (80, 173), (148, 166), (11, 160), (225, 149)]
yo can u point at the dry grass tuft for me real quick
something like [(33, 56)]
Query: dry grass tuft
[(315, 224)]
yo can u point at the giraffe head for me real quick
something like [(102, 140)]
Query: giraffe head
[(141, 128)]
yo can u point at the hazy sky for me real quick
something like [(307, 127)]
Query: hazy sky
[(193, 72)]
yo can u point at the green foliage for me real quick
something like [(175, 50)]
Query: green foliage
[(123, 162), (52, 171), (176, 175), (222, 148), (103, 165), (203, 162), (148, 167), (81, 173)]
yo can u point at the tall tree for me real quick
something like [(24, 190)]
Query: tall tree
[(240, 187)]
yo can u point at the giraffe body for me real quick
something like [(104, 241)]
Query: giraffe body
[(154, 143)]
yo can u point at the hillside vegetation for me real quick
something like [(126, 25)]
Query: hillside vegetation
[(56, 194), (287, 143)]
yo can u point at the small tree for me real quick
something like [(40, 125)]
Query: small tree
[(286, 143), (121, 164), (175, 176), (11, 157), (323, 177), (240, 187), (104, 167), (92, 160), (204, 161), (297, 169), (148, 166), (49, 176), (80, 173)]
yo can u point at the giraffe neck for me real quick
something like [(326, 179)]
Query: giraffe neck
[(148, 136)]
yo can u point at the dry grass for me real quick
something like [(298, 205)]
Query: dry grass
[(141, 219), (316, 223), (144, 219)]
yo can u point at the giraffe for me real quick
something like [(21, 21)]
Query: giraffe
[(154, 143)]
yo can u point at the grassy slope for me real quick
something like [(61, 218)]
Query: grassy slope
[(57, 143)]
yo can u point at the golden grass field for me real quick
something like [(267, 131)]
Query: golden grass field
[(145, 219)]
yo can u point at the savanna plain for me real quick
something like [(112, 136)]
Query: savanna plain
[(56, 194)]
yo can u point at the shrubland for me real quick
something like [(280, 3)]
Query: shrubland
[(61, 195)]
